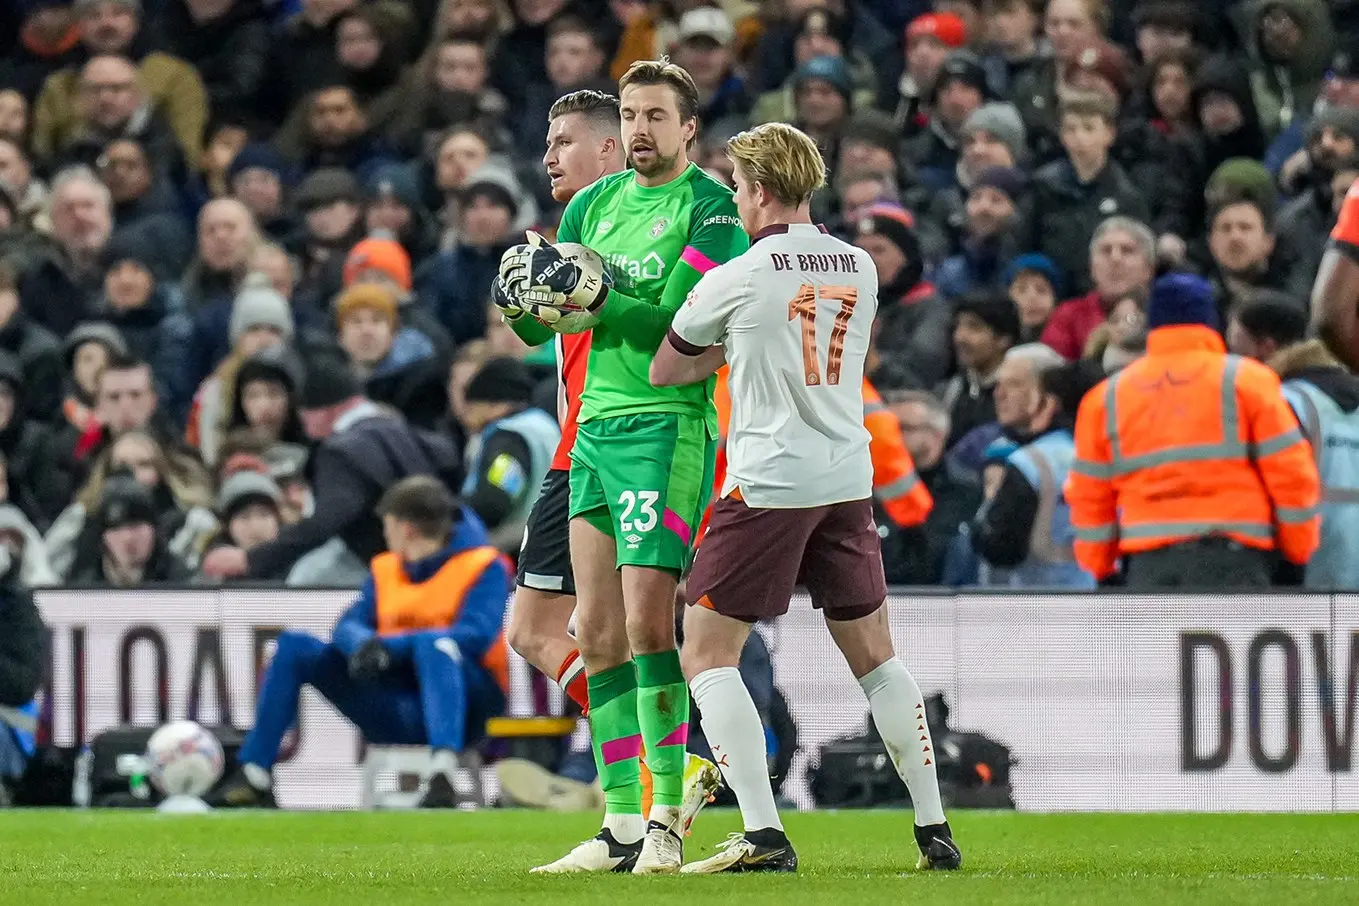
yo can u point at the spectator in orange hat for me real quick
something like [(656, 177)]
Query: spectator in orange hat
[(929, 40), (382, 260), (396, 364)]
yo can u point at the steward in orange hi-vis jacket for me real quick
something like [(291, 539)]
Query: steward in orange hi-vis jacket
[(896, 486), (1189, 462)]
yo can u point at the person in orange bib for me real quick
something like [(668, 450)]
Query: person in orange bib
[(418, 659), (1189, 464)]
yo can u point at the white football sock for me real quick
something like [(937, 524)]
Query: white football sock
[(736, 736), (899, 714), (626, 828)]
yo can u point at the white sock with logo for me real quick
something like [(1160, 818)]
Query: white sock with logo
[(899, 714), (733, 728)]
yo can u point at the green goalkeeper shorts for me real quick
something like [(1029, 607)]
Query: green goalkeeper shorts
[(644, 479)]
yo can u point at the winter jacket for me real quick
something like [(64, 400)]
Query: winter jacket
[(35, 571), (160, 332), (208, 298), (36, 488), (933, 154), (39, 355), (915, 329), (1285, 91), (1072, 322), (1301, 229), (303, 60), (1062, 214), (173, 86), (231, 53), (456, 285), (86, 145), (55, 296), (978, 267), (23, 643)]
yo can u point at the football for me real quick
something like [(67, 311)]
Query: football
[(575, 319), (183, 759)]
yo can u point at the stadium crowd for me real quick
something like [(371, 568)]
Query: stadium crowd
[(246, 247)]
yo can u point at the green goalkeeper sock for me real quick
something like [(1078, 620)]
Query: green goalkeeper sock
[(663, 713), (616, 738)]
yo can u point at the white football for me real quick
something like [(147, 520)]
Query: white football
[(183, 759), (574, 319)]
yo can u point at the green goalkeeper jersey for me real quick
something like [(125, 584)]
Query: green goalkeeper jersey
[(658, 241)]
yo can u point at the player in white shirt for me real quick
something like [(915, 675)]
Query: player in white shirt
[(792, 316)]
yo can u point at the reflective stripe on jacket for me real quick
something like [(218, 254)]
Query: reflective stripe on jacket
[(895, 482), (1186, 443), (405, 606)]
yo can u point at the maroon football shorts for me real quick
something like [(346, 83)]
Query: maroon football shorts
[(751, 560)]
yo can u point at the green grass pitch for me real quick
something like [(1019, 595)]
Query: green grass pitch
[(848, 858)]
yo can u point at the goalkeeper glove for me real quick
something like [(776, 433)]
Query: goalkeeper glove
[(503, 298), (371, 660), (549, 285)]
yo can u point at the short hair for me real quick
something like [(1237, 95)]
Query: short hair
[(936, 413), (79, 173), (1097, 10), (1040, 355), (1275, 317), (781, 158), (424, 502), (568, 24), (1140, 232), (119, 361), (663, 72), (1233, 197), (1089, 103), (1070, 382), (599, 109), (887, 181)]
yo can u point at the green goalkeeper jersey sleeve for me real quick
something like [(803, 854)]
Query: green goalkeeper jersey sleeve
[(657, 241)]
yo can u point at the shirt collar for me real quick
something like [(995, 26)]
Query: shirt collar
[(776, 229)]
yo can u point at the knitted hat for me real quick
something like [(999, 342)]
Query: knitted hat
[(131, 245), (124, 502), (497, 182), (374, 296), (1105, 60), (1033, 263), (1344, 120), (378, 253), (962, 66), (831, 70), (1001, 121), (325, 187), (258, 304), (895, 224), (1242, 178), (245, 488), (397, 182), (501, 380), (272, 363), (1006, 180), (260, 156), (1182, 299), (101, 332), (328, 381), (996, 312), (947, 28)]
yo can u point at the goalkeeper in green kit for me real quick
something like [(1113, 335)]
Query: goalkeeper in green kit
[(642, 466)]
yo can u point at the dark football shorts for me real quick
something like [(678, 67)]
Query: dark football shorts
[(751, 560), (545, 558)]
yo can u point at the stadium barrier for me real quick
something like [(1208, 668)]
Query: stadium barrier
[(1108, 702)]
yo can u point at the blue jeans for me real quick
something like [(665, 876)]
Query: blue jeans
[(431, 700)]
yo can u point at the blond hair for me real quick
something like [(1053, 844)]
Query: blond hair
[(663, 72), (781, 158)]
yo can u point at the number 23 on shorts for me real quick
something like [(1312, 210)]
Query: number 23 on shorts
[(639, 511)]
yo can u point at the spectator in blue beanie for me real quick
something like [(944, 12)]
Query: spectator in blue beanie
[(1034, 285)]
